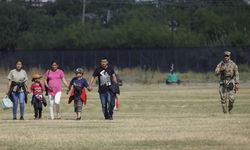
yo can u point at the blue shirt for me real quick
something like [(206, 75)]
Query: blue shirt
[(78, 84)]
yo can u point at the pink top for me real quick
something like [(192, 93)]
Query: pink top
[(37, 88), (55, 81)]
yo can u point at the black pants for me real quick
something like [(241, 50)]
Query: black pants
[(38, 108), (38, 112)]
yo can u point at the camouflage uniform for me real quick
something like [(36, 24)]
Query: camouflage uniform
[(229, 76)]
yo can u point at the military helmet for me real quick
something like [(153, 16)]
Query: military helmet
[(79, 70), (227, 53)]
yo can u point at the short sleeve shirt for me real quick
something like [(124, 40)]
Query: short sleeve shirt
[(104, 78), (17, 76), (81, 83), (54, 80), (37, 89)]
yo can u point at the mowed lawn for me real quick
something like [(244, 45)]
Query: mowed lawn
[(153, 117)]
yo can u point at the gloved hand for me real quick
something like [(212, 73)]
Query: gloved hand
[(222, 67), (237, 87)]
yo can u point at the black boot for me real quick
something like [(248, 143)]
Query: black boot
[(40, 114), (230, 108), (225, 108)]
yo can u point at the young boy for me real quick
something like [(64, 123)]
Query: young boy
[(38, 99), (78, 93)]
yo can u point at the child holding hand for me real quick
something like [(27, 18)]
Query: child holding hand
[(78, 93), (38, 99)]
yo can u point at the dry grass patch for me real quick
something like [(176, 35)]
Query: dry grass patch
[(150, 117)]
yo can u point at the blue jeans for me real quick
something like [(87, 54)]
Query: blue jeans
[(18, 96), (108, 104)]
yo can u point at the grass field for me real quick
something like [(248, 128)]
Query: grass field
[(152, 117)]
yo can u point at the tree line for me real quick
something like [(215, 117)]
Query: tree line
[(123, 25)]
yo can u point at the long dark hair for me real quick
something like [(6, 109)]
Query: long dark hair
[(19, 61), (52, 62)]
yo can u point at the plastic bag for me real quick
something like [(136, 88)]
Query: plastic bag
[(7, 103)]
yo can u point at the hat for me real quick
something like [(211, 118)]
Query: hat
[(79, 70), (36, 76), (227, 53)]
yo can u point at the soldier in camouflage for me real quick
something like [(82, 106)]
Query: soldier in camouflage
[(229, 81)]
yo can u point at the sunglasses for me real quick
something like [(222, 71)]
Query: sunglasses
[(226, 55)]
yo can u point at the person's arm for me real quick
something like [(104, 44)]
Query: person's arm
[(86, 85), (43, 87), (46, 82), (10, 78), (69, 89), (26, 82), (8, 87), (218, 69), (70, 86), (237, 76), (63, 79), (114, 78), (31, 89), (92, 80), (46, 79), (65, 82), (26, 86)]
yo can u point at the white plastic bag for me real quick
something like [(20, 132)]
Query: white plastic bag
[(7, 103)]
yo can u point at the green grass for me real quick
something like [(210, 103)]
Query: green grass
[(150, 117)]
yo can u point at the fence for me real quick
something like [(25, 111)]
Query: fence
[(195, 59)]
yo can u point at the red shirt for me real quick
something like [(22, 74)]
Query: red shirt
[(37, 89)]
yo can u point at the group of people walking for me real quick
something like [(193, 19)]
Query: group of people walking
[(108, 88), (18, 90)]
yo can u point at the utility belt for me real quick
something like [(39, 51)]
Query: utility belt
[(229, 84)]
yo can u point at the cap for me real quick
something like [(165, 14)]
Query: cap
[(36, 76), (79, 70)]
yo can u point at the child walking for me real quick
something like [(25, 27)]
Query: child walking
[(38, 99), (78, 94)]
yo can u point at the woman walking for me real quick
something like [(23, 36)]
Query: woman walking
[(16, 89), (53, 79)]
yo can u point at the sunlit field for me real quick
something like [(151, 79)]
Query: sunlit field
[(149, 117)]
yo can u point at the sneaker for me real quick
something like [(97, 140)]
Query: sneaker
[(110, 118), (14, 118), (21, 118)]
